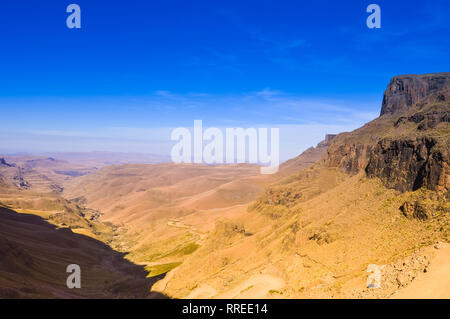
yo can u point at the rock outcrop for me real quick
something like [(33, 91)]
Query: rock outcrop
[(427, 120), (406, 90), (3, 162), (409, 164), (351, 158), (414, 210)]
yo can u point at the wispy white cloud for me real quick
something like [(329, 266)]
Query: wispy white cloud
[(273, 106), (303, 121)]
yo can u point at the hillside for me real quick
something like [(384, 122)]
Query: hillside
[(166, 210), (35, 255), (156, 214), (379, 196)]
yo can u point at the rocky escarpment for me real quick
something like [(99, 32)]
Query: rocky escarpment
[(351, 158), (406, 90), (409, 149), (409, 164), (403, 164)]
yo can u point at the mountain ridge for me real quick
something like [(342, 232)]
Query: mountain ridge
[(404, 91)]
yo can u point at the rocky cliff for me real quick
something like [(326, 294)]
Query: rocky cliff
[(408, 149), (409, 164), (406, 90)]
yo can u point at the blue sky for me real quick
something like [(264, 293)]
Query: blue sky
[(136, 69)]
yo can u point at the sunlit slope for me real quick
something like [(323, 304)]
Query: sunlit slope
[(165, 211), (317, 247)]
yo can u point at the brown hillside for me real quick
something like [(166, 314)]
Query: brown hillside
[(35, 255), (380, 196)]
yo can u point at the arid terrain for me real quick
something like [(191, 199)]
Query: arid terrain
[(377, 195)]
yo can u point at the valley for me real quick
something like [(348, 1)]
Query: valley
[(376, 195)]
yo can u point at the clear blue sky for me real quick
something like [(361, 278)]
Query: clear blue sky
[(136, 68)]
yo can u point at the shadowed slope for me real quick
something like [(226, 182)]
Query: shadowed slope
[(35, 255)]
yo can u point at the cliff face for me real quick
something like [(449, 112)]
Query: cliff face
[(409, 149), (406, 90), (409, 164)]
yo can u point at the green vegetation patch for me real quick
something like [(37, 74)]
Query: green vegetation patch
[(161, 269), (186, 250)]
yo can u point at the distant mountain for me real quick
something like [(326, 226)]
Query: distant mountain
[(37, 173), (307, 158), (48, 172), (100, 159)]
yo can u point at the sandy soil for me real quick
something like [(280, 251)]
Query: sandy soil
[(435, 283), (256, 287)]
